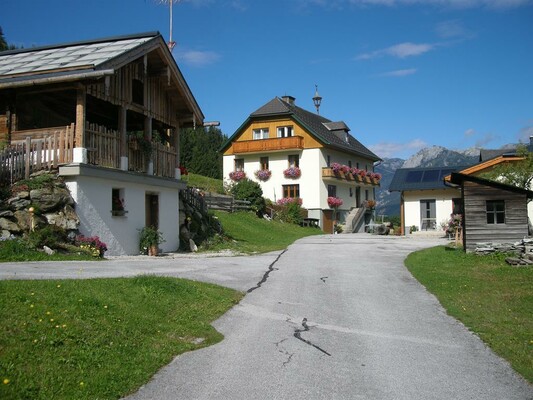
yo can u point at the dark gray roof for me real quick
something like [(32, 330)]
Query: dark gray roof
[(421, 178), (485, 155), (325, 130)]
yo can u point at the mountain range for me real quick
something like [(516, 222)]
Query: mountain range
[(435, 156)]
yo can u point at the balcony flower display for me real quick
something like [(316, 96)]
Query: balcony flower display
[(375, 175), (263, 174), (237, 175), (292, 173), (336, 167), (362, 173), (289, 200), (354, 171), (334, 202)]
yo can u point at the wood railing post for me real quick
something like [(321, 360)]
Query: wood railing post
[(27, 156)]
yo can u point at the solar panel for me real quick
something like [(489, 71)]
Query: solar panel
[(431, 175), (413, 176)]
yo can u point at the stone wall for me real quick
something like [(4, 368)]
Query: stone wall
[(26, 209)]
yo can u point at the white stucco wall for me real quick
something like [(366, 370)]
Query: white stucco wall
[(313, 188), (92, 197), (443, 205)]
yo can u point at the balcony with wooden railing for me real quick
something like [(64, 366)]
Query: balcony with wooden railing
[(266, 145), (37, 149)]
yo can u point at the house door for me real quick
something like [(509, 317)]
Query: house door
[(428, 215), (327, 221), (152, 210)]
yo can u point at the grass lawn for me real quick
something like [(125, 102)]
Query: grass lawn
[(204, 183), (491, 298), (100, 338), (250, 234), (18, 250)]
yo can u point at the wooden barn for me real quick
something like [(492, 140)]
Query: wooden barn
[(108, 113), (493, 212)]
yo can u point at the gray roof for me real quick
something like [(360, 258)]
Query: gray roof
[(485, 155), (459, 179), (68, 57), (333, 134), (421, 178)]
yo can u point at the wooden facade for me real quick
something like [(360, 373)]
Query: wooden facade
[(476, 192), (138, 95)]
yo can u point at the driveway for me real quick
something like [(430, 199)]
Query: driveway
[(332, 317)]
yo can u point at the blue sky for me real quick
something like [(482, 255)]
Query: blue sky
[(403, 74)]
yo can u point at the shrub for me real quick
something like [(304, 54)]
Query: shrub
[(50, 235), (251, 191), (288, 210), (92, 244)]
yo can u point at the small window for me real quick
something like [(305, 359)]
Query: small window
[(261, 133), (495, 211), (367, 195), (350, 163), (285, 131), (332, 191), (263, 163), (351, 191), (239, 164), (291, 191), (118, 205), (294, 160)]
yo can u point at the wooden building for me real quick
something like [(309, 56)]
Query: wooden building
[(108, 113), (493, 212)]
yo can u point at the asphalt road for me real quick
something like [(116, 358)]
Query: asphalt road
[(333, 317)]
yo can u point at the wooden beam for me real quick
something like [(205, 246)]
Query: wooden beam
[(81, 112), (122, 129)]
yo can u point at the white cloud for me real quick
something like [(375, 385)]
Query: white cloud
[(451, 29), (401, 50), (197, 58), (486, 139), (400, 72), (401, 150), (470, 132)]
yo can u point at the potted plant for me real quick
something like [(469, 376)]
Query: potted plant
[(149, 240)]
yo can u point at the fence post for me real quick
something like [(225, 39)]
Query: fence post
[(27, 156)]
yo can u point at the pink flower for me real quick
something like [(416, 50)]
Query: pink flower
[(289, 200), (237, 175), (292, 173), (334, 202), (263, 174)]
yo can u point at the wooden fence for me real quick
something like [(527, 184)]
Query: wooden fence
[(24, 157), (225, 203), (103, 146), (164, 158)]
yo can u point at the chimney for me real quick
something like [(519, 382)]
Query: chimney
[(288, 99)]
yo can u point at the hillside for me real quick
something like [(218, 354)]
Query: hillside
[(435, 156)]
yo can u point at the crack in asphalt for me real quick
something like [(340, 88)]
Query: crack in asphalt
[(298, 335), (323, 279), (285, 352), (265, 276)]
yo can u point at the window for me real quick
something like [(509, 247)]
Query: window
[(261, 133), (294, 160), (495, 211), (332, 191), (291, 191), (117, 202), (350, 163), (263, 163), (285, 131), (239, 164), (457, 207)]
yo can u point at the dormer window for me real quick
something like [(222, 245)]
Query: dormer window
[(285, 131)]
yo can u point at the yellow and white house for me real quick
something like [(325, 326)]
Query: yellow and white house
[(294, 153)]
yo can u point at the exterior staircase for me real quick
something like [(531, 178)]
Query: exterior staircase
[(355, 221)]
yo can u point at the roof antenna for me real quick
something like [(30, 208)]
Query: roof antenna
[(170, 42), (317, 100)]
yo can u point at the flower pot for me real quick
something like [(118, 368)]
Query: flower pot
[(153, 250)]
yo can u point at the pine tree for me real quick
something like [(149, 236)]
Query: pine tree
[(199, 151)]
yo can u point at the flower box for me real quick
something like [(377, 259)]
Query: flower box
[(292, 173), (237, 176), (119, 213), (263, 174), (334, 202)]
